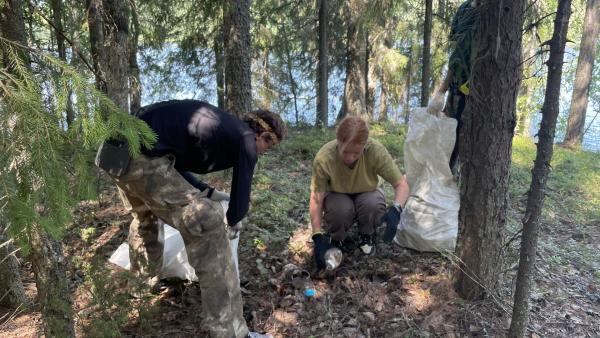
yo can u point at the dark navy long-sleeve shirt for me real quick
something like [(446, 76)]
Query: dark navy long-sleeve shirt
[(205, 139)]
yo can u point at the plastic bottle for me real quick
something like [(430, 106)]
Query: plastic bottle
[(333, 258), (309, 289)]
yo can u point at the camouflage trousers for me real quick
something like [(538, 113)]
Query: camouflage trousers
[(153, 190)]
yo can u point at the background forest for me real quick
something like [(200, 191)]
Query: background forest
[(72, 71)]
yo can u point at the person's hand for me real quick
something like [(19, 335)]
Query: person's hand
[(234, 231), (391, 218), (218, 195), (322, 244)]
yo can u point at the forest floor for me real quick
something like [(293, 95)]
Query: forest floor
[(395, 293)]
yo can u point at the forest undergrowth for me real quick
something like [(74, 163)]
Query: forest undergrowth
[(396, 293)]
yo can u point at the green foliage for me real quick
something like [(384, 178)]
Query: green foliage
[(45, 167)]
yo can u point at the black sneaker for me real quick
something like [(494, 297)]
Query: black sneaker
[(367, 244)]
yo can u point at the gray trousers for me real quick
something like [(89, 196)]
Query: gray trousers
[(341, 210), (153, 189)]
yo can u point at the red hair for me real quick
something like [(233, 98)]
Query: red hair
[(352, 130)]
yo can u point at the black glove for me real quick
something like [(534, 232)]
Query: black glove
[(322, 244), (391, 218)]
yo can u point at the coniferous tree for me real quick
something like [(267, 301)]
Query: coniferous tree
[(238, 88), (583, 75), (322, 67), (485, 146), (426, 57), (355, 90), (541, 169)]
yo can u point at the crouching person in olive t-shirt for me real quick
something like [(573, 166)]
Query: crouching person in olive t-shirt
[(345, 188)]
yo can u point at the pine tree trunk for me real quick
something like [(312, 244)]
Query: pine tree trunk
[(238, 90), (583, 74), (12, 293), (485, 146), (57, 21), (52, 285), (370, 79), (541, 168), (94, 14), (322, 68), (219, 68), (426, 71), (267, 88), (135, 86), (408, 84), (355, 89), (109, 34), (289, 68), (116, 33)]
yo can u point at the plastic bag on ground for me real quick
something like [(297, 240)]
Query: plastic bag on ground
[(175, 260), (429, 220)]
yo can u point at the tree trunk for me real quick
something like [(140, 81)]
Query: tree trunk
[(57, 22), (109, 30), (370, 79), (426, 71), (135, 86), (238, 90), (583, 75), (48, 267), (12, 293), (219, 68), (354, 89), (116, 33), (293, 86), (408, 83), (267, 89), (541, 168), (52, 285), (485, 146), (322, 71), (94, 13)]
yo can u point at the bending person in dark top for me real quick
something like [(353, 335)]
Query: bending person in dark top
[(196, 137)]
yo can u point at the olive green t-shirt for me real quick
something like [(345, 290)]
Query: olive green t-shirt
[(329, 173)]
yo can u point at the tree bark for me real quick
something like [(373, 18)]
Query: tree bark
[(322, 68), (541, 168), (109, 34), (426, 71), (135, 86), (57, 22), (219, 68), (583, 75), (12, 293), (354, 88), (289, 68), (408, 84), (94, 14), (238, 86), (52, 284), (485, 142)]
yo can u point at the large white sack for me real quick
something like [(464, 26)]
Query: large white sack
[(429, 220), (175, 260)]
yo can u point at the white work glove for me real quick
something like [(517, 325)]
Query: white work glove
[(234, 231), (218, 196), (436, 103)]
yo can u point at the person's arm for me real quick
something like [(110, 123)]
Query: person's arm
[(401, 192), (241, 181), (316, 210)]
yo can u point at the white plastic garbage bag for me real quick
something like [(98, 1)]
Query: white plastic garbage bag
[(429, 220), (175, 260)]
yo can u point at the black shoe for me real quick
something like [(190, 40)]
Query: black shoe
[(367, 244)]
